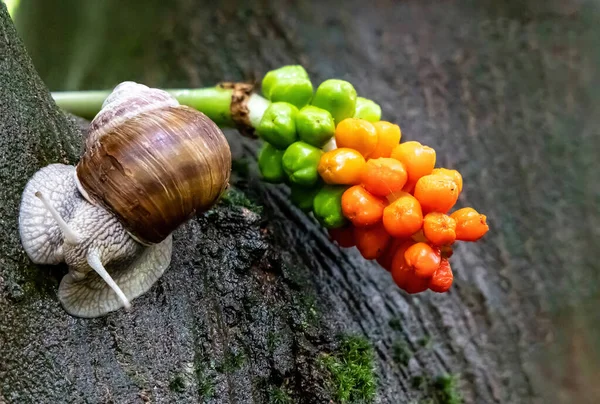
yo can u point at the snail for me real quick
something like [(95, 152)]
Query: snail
[(148, 166)]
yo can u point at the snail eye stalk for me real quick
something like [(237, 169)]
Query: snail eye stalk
[(95, 263), (70, 236)]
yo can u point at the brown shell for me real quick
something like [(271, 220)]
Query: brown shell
[(157, 169), (127, 100)]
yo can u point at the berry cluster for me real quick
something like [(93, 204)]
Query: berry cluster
[(350, 170)]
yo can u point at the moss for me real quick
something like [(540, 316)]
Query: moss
[(351, 370), (425, 341), (235, 197), (441, 390), (309, 306), (206, 388), (204, 370), (401, 352), (231, 363), (206, 383), (445, 390), (307, 314), (273, 339), (418, 382), (177, 384), (395, 324), (278, 395)]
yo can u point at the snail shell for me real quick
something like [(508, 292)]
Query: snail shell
[(153, 163)]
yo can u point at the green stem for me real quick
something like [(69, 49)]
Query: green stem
[(215, 102), (85, 104)]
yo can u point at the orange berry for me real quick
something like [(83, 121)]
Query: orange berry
[(409, 187), (419, 160), (423, 259), (404, 276), (401, 272), (436, 193), (446, 251), (385, 259), (439, 228), (371, 241), (416, 285), (403, 217), (388, 137), (452, 174), (341, 166), (343, 236), (397, 255), (419, 237), (442, 278), (360, 207), (357, 134), (382, 176), (470, 225)]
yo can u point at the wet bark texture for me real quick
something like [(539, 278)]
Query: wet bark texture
[(506, 92)]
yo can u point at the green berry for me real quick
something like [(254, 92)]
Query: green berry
[(290, 71), (278, 125), (270, 165), (315, 126), (288, 84), (300, 162), (327, 206), (338, 97), (303, 197), (367, 110)]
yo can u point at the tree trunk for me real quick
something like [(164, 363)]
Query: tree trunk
[(256, 296)]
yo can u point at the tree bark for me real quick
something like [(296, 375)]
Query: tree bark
[(504, 91)]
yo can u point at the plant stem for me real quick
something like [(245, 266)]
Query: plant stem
[(214, 102), (85, 104)]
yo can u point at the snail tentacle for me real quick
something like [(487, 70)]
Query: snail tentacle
[(93, 260), (41, 234), (70, 236), (87, 294)]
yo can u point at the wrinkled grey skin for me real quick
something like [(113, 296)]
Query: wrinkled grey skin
[(134, 267)]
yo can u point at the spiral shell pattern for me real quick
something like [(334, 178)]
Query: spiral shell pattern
[(127, 100), (153, 163)]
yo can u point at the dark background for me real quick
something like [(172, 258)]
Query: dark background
[(507, 93)]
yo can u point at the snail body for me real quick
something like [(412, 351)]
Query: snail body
[(148, 166)]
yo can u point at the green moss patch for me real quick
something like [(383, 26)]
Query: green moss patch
[(278, 395), (351, 369), (425, 341), (235, 197), (206, 386), (395, 324), (401, 352), (231, 363), (177, 384), (445, 390), (273, 339), (440, 390)]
